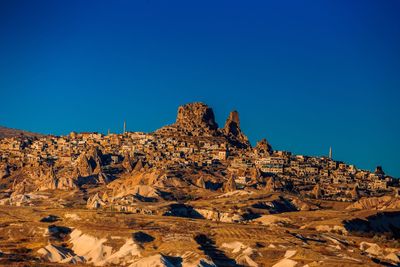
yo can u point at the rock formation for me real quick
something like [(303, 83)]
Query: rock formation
[(139, 165), (233, 132), (90, 163), (4, 171), (263, 148), (19, 188), (102, 178), (379, 171), (95, 202), (97, 169), (83, 165), (127, 163), (354, 193), (200, 182), (270, 185), (95, 155), (230, 185), (196, 116), (197, 119), (52, 181), (194, 119), (65, 183), (316, 192), (376, 203)]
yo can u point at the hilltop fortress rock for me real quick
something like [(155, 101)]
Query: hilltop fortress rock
[(196, 116), (194, 119), (198, 120)]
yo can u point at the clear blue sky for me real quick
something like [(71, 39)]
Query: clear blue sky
[(304, 74)]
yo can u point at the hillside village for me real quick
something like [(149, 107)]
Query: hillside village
[(193, 142)]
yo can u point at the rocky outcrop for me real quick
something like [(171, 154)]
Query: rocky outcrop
[(4, 171), (263, 148), (379, 171), (354, 193), (194, 119), (230, 185), (52, 253), (127, 163), (200, 182), (385, 254), (66, 183), (138, 166), (96, 155), (317, 192), (233, 132), (102, 178), (95, 202), (270, 185), (89, 163), (273, 185), (217, 216), (20, 188), (376, 203), (197, 119), (83, 165), (53, 182)]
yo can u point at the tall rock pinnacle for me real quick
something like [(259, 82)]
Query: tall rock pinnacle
[(233, 132)]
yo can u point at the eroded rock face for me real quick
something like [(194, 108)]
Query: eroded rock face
[(196, 115), (53, 181), (83, 165), (376, 203), (194, 119), (230, 184), (233, 132), (127, 163), (316, 192), (89, 163), (270, 185), (263, 148), (197, 119), (4, 171)]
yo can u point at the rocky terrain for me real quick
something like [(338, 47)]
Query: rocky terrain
[(189, 194)]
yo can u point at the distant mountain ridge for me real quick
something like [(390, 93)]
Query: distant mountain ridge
[(10, 132)]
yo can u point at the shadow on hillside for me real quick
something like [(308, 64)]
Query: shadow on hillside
[(387, 223), (207, 245)]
